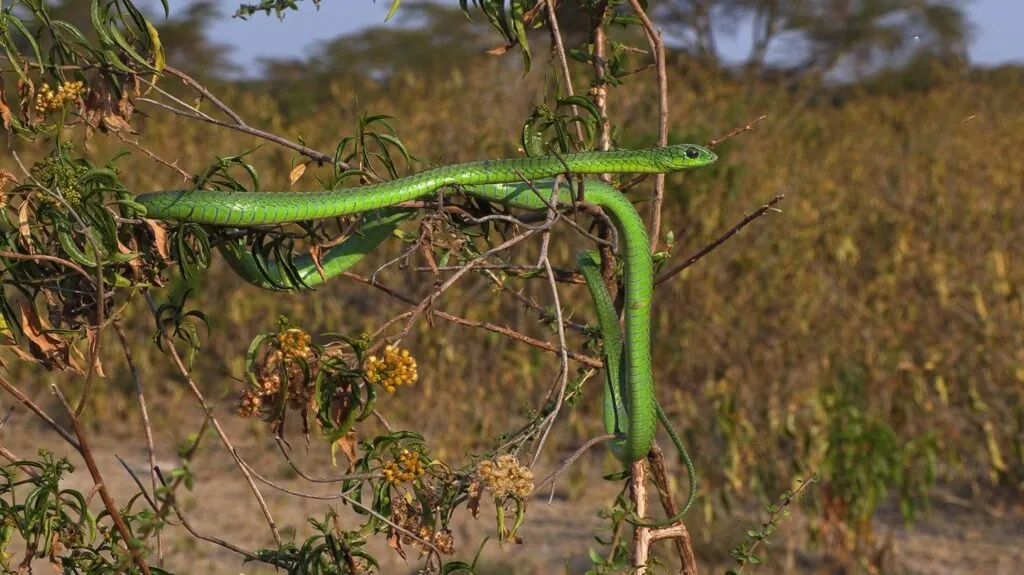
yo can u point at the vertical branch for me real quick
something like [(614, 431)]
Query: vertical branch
[(641, 535), (94, 471), (684, 545), (563, 62), (658, 48), (141, 396), (600, 86)]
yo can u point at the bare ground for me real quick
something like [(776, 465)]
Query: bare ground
[(952, 538)]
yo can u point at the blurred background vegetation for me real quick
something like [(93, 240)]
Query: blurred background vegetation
[(871, 332)]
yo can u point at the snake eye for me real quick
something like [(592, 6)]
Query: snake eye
[(692, 153)]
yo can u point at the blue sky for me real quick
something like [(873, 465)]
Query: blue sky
[(999, 29)]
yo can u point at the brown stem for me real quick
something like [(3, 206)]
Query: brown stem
[(658, 47), (315, 155), (39, 412), (681, 536), (141, 396), (641, 535), (721, 239), (108, 501)]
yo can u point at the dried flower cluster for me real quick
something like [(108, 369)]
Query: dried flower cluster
[(407, 468), (407, 518), (49, 101), (505, 477), (281, 365), (395, 368)]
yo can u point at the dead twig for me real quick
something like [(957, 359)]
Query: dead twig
[(141, 397), (658, 48), (720, 240)]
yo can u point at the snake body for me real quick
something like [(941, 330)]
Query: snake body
[(630, 408)]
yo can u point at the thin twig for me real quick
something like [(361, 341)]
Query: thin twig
[(141, 396), (352, 476), (346, 498), (721, 239), (562, 274), (529, 303), (315, 155), (563, 373), (737, 131), (186, 79), (550, 478), (10, 456), (429, 300), (52, 259), (502, 330), (11, 389), (563, 62)]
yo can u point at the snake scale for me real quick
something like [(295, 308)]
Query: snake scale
[(630, 407)]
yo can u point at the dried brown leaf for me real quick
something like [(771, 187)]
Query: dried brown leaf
[(5, 110), (159, 238), (296, 173), (315, 252), (53, 352), (23, 220), (347, 444), (92, 335), (395, 542), (500, 50), (32, 325), (473, 504), (116, 124)]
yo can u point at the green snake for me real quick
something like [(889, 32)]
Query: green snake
[(630, 407)]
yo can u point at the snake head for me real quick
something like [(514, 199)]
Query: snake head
[(683, 156)]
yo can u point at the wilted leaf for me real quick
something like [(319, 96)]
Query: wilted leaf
[(315, 253), (5, 110), (500, 50), (54, 352), (473, 504), (159, 238), (23, 220), (158, 50), (395, 542), (347, 444), (32, 325), (296, 173), (92, 335), (116, 124)]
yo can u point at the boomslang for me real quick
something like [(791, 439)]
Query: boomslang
[(630, 407)]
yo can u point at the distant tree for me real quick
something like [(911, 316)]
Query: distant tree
[(820, 35)]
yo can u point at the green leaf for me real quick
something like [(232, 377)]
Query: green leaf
[(393, 9)]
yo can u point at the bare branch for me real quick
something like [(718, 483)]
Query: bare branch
[(94, 471), (721, 239)]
